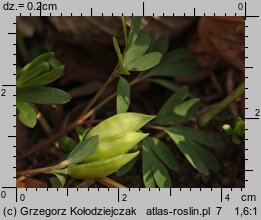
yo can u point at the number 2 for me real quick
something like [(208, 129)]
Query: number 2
[(124, 198), (3, 91)]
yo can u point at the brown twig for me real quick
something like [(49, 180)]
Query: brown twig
[(216, 83), (109, 183), (44, 124), (45, 144), (84, 115), (40, 170), (20, 179)]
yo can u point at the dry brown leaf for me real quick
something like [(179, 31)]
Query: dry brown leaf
[(224, 37), (84, 29), (31, 183)]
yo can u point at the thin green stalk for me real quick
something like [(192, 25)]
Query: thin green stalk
[(205, 119), (123, 22), (117, 50)]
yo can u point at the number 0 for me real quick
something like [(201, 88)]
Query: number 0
[(3, 194), (22, 197), (240, 6)]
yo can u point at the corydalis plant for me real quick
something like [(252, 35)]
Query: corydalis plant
[(149, 57), (31, 87), (120, 138)]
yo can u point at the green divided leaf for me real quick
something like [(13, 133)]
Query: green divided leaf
[(157, 168), (166, 83), (41, 71), (160, 45), (186, 68), (123, 96), (179, 54), (160, 173), (144, 62), (175, 64), (135, 57), (54, 63), (187, 150), (27, 114), (43, 95), (166, 111), (46, 78), (134, 30), (208, 159), (82, 150), (176, 109), (138, 48), (163, 152), (46, 57), (37, 71), (127, 167), (173, 101), (147, 172), (188, 141), (184, 111), (201, 137), (30, 79)]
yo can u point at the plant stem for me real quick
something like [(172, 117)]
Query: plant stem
[(40, 170), (46, 144), (205, 119), (109, 183), (97, 96), (47, 170), (87, 114), (123, 23)]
